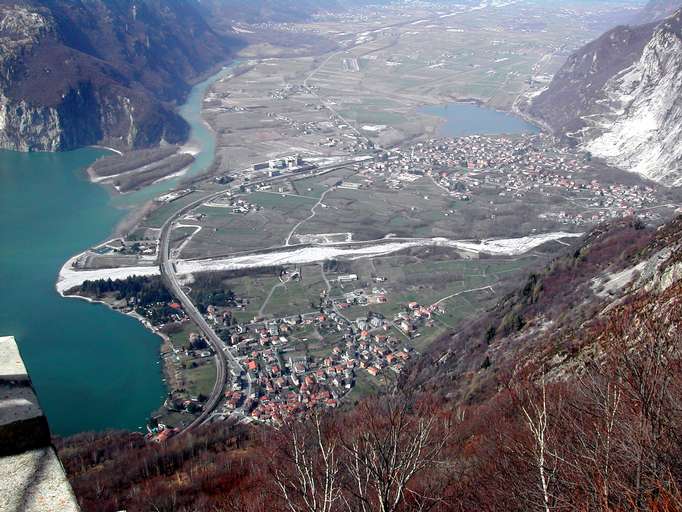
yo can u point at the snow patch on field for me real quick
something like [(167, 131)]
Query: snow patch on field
[(374, 127), (507, 247), (325, 238), (190, 149)]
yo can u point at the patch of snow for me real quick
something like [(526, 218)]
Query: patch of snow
[(499, 247), (70, 277), (374, 127)]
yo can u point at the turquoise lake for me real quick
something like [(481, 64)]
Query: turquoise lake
[(462, 119), (93, 369)]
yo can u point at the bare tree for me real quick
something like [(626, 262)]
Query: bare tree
[(621, 443), (307, 472), (594, 414), (393, 457), (384, 457), (543, 456), (647, 364)]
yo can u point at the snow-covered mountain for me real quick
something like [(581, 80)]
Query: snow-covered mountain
[(620, 98)]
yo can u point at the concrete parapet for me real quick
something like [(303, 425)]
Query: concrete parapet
[(32, 479)]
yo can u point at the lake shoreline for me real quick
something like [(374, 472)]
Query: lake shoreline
[(201, 143), (509, 121)]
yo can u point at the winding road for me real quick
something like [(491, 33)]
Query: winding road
[(224, 356)]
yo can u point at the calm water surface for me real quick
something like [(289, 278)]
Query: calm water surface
[(463, 119), (93, 369)]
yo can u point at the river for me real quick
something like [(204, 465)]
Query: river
[(463, 119), (93, 369)]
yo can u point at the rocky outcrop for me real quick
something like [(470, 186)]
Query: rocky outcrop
[(620, 97), (637, 124), (100, 72)]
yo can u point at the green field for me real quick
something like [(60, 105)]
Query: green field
[(157, 217), (317, 185), (201, 379)]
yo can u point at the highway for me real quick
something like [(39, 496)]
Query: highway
[(223, 354)]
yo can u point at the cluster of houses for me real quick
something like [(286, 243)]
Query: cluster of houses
[(514, 167), (517, 166), (288, 376), (285, 382), (236, 204), (288, 90)]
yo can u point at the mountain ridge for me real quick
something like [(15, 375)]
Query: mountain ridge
[(656, 10), (116, 69), (619, 98)]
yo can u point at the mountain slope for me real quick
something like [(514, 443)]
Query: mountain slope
[(552, 323), (640, 125), (99, 72), (620, 97)]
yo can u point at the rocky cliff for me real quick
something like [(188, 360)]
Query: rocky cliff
[(637, 124), (100, 72), (620, 98)]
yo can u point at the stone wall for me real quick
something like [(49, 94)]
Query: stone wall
[(32, 479)]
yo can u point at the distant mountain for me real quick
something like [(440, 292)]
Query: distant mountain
[(258, 11), (74, 73), (620, 97), (657, 10)]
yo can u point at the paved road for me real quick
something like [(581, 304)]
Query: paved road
[(224, 356)]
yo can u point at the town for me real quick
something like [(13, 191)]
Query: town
[(286, 377), (515, 166)]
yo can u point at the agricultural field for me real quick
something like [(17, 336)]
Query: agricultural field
[(419, 209), (225, 232), (425, 275)]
